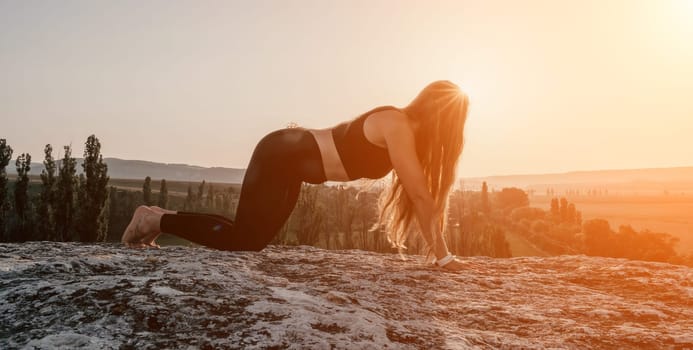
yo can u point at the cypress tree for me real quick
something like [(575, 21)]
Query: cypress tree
[(564, 209), (163, 194), (65, 191), (46, 205), (147, 191), (5, 157), (572, 214), (484, 199), (104, 218), (115, 218), (555, 210), (80, 209), (188, 205), (22, 231), (225, 200), (93, 193), (210, 197), (200, 195)]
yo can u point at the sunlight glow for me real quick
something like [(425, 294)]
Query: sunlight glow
[(686, 5), (682, 15), (584, 76)]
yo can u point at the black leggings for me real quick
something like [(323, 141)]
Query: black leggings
[(282, 160)]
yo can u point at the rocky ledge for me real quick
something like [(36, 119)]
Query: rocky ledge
[(66, 295)]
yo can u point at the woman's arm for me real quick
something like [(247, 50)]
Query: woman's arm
[(399, 137)]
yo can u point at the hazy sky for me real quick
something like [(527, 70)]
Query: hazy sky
[(554, 85)]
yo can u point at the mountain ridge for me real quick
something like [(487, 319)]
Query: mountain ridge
[(139, 169)]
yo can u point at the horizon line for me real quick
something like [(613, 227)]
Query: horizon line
[(557, 172)]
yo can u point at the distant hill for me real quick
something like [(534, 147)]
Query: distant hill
[(678, 179), (139, 169)]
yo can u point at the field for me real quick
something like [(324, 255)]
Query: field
[(175, 188), (672, 214)]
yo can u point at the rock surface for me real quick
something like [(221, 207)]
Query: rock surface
[(66, 295)]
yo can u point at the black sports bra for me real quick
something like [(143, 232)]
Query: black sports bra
[(359, 156)]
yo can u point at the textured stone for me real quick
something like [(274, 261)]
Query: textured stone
[(68, 295)]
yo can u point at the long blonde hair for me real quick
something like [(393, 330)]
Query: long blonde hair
[(440, 110)]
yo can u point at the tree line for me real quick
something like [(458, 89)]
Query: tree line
[(70, 207), (67, 207), (560, 229), (331, 217), (590, 192)]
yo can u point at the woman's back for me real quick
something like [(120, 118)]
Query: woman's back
[(361, 158)]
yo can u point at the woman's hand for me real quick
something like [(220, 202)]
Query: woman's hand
[(454, 265)]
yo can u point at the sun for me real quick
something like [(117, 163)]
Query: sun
[(687, 5), (682, 13)]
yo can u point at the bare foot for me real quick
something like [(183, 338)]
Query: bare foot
[(130, 236), (142, 231), (149, 226), (161, 211)]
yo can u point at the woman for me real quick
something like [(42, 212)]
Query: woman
[(421, 143)]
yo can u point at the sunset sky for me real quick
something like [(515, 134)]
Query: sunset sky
[(554, 85)]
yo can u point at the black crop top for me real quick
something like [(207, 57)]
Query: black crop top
[(359, 156)]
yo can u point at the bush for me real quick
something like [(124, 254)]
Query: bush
[(527, 213), (510, 198)]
